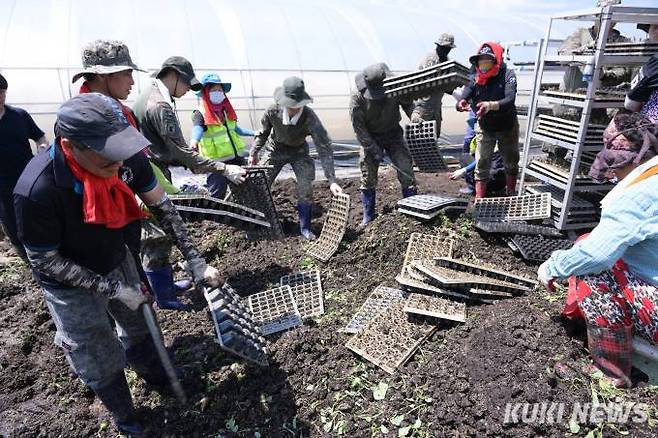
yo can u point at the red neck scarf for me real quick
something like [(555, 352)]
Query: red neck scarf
[(105, 201), (481, 78), (213, 113), (84, 88)]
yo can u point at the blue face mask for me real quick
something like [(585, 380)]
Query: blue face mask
[(216, 97)]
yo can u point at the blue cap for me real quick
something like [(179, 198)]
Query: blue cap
[(98, 122), (213, 78)]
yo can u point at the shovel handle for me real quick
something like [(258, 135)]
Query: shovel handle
[(154, 329)]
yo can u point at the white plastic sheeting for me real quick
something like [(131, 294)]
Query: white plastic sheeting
[(254, 44)]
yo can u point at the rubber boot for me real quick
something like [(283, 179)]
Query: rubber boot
[(409, 191), (480, 189), (304, 212), (510, 185), (468, 190), (162, 285), (369, 200), (116, 397), (183, 285), (612, 351)]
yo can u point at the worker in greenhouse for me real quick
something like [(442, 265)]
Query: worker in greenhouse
[(376, 123), (643, 95), (496, 182), (72, 206), (107, 68), (17, 128), (215, 131), (283, 131), (491, 94), (155, 110), (613, 281), (584, 39), (429, 108)]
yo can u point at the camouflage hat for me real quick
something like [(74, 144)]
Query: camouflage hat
[(446, 39), (604, 3), (103, 57)]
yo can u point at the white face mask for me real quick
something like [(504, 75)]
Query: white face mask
[(216, 96)]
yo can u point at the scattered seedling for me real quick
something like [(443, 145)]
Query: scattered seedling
[(333, 417), (232, 425), (307, 263), (10, 271), (557, 296), (379, 391)]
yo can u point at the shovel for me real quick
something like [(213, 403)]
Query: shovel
[(154, 329)]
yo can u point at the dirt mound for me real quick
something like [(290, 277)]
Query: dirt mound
[(457, 384)]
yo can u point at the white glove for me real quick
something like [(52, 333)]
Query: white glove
[(131, 296), (335, 189), (544, 278), (485, 107), (234, 173), (204, 274), (459, 173)]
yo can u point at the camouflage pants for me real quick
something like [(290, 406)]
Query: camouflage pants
[(302, 164), (84, 320), (156, 246), (393, 144), (508, 145)]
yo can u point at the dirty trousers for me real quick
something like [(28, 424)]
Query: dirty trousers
[(155, 246), (615, 298), (84, 320), (508, 145), (393, 144), (302, 165)]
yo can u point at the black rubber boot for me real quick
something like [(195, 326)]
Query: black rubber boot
[(304, 212), (162, 285), (116, 397), (409, 191), (368, 197)]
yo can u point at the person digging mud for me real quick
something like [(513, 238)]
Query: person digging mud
[(72, 207), (613, 280), (107, 68), (155, 109), (284, 128), (376, 123)]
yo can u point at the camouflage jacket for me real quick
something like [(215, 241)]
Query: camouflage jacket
[(372, 118), (274, 135), (159, 124), (429, 107)]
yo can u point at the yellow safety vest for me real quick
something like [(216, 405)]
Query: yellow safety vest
[(221, 141)]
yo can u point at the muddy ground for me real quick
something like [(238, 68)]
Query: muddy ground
[(457, 384)]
